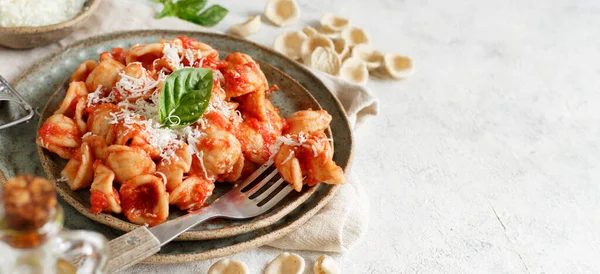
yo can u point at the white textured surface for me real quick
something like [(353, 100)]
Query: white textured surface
[(486, 160)]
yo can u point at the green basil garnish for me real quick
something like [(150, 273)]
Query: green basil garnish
[(185, 96), (188, 10)]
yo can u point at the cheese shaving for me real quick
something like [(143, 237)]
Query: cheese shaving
[(135, 87), (164, 177), (289, 157), (97, 97)]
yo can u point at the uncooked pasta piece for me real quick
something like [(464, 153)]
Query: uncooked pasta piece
[(341, 48), (354, 70), (228, 266), (309, 31), (248, 27), (314, 42), (354, 36), (330, 33), (282, 12), (325, 265), (290, 44), (286, 263), (371, 56), (333, 22), (396, 66), (325, 60)]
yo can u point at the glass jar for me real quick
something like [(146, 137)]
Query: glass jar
[(49, 249)]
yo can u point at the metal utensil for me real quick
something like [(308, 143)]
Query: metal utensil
[(8, 93), (261, 191)]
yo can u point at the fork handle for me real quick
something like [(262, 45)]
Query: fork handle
[(131, 248)]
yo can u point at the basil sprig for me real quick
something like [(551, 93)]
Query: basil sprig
[(185, 96), (188, 10)]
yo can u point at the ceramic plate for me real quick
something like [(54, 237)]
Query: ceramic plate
[(18, 153)]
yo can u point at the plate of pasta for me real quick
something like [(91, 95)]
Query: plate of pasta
[(149, 130)]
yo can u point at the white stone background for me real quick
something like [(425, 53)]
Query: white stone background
[(487, 159)]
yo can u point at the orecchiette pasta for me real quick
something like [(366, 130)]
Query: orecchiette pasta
[(104, 196), (69, 103), (145, 200), (60, 135), (79, 169), (128, 161), (109, 128), (191, 193), (105, 75), (83, 71)]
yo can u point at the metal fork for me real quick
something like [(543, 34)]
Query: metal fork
[(245, 200), (8, 93)]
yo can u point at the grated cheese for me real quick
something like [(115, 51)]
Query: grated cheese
[(138, 86), (164, 177), (97, 97), (289, 157), (34, 13)]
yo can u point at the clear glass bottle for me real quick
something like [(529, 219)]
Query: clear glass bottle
[(48, 249), (32, 239)]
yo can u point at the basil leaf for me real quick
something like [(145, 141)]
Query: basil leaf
[(209, 17), (168, 9), (185, 96), (189, 7)]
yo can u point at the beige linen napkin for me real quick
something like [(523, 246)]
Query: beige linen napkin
[(338, 225)]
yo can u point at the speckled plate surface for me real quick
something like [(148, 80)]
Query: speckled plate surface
[(18, 150)]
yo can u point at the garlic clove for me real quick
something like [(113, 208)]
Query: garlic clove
[(310, 31), (325, 60), (290, 44), (354, 36), (228, 266), (372, 57), (397, 66), (325, 265), (342, 49), (282, 12), (314, 42), (334, 23), (247, 28), (354, 70), (286, 263)]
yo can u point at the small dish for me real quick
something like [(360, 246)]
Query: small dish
[(31, 37)]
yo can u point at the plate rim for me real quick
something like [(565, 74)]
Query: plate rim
[(257, 241)]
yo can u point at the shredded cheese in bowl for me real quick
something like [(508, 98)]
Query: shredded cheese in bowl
[(34, 13)]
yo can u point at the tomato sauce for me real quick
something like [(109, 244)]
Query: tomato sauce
[(98, 200), (50, 129), (139, 201)]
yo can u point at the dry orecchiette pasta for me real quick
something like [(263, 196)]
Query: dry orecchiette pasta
[(109, 129)]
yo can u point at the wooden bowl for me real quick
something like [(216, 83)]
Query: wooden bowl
[(31, 37)]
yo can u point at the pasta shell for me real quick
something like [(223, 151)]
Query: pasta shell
[(330, 33), (341, 48), (354, 70), (372, 57), (325, 60), (333, 22), (247, 28), (290, 44), (310, 31), (286, 263), (396, 66), (312, 43), (282, 12), (325, 265), (227, 266), (354, 36)]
